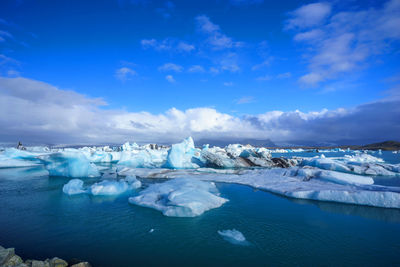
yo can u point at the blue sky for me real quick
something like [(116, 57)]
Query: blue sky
[(239, 58)]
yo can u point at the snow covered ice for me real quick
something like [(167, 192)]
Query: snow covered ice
[(233, 236), (183, 197)]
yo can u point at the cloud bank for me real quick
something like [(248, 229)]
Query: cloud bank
[(338, 43), (36, 112)]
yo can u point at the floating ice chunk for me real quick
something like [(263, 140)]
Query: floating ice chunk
[(73, 187), (108, 188), (362, 158), (326, 163), (181, 155), (70, 163), (233, 236), (182, 197), (360, 164), (217, 159)]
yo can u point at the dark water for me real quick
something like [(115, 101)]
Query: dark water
[(40, 222)]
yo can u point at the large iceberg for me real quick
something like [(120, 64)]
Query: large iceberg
[(182, 197), (183, 155), (69, 163), (143, 158)]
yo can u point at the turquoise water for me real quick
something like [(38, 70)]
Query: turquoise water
[(41, 222)]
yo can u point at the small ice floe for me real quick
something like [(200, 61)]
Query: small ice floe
[(182, 197), (74, 187), (103, 188), (233, 236)]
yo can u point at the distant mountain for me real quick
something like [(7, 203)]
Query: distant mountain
[(222, 143), (387, 145)]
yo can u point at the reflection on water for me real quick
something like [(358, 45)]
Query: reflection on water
[(383, 214)]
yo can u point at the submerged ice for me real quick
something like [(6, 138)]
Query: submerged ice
[(233, 236), (184, 197)]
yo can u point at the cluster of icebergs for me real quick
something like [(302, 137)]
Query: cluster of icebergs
[(347, 179)]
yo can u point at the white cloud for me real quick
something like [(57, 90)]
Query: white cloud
[(170, 78), (308, 15), (124, 73), (168, 44), (311, 35), (343, 42), (196, 69), (182, 46), (215, 38), (60, 116), (262, 65), (284, 75), (228, 83), (264, 78), (245, 100), (170, 67)]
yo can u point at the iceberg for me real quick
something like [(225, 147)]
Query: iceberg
[(109, 188), (363, 164), (69, 163), (143, 158), (182, 197), (74, 187), (181, 155), (103, 188), (12, 158), (233, 236)]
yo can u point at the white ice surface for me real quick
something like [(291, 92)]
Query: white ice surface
[(182, 197), (102, 188), (74, 187), (291, 183)]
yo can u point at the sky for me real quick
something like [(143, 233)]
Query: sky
[(110, 71)]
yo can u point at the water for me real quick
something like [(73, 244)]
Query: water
[(41, 222)]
